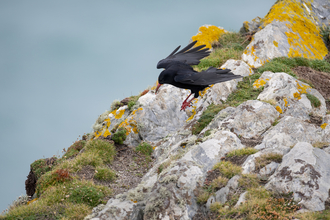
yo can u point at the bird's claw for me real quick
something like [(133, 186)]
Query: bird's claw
[(185, 105)]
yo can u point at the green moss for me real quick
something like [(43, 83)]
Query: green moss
[(206, 118), (314, 100), (120, 136), (227, 169), (245, 91), (242, 152)]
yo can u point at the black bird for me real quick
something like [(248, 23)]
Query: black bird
[(178, 71)]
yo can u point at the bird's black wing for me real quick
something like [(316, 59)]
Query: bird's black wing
[(208, 77), (187, 55)]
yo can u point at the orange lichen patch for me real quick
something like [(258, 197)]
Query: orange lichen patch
[(97, 134), (304, 38), (275, 43), (193, 114), (202, 93), (278, 108), (130, 124), (302, 88), (259, 83), (154, 147), (108, 122), (285, 102), (207, 35), (297, 95), (106, 133), (323, 126), (118, 113)]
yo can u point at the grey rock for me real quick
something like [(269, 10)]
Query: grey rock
[(222, 194), (250, 119), (305, 172), (252, 26), (268, 169), (233, 182), (210, 201), (241, 199)]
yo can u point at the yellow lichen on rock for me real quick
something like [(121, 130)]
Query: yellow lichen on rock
[(324, 125), (278, 108), (118, 113), (259, 83), (130, 124), (285, 102), (297, 95), (207, 35), (275, 43), (304, 38), (303, 88)]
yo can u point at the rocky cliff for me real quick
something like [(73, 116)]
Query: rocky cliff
[(254, 148)]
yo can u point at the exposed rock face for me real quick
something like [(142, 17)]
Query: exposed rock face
[(282, 120), (30, 184), (304, 171)]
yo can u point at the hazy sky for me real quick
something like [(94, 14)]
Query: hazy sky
[(62, 63)]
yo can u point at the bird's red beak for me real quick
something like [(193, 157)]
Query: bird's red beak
[(158, 87)]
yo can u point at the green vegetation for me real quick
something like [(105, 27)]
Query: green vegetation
[(321, 145), (242, 152), (314, 100), (230, 46), (227, 169), (277, 120), (144, 148), (105, 174), (325, 33), (120, 136), (74, 149), (40, 167), (219, 182), (61, 192), (285, 64), (245, 91), (206, 117), (248, 181), (265, 159)]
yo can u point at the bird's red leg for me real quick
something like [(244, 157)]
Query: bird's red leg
[(186, 104)]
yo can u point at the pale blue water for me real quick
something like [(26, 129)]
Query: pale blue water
[(62, 63)]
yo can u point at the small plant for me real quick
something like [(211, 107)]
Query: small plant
[(120, 136), (265, 159), (207, 133), (242, 152), (227, 169), (86, 194), (314, 100), (104, 174), (248, 181), (61, 175), (219, 182), (321, 145), (277, 120), (202, 196), (116, 104), (144, 148), (130, 105)]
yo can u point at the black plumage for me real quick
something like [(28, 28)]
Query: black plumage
[(178, 71)]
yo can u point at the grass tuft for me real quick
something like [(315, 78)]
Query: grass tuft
[(227, 169), (144, 148), (104, 174), (265, 159), (242, 152), (314, 100)]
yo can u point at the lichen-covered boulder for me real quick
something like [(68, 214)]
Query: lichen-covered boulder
[(290, 29), (290, 95), (305, 171), (250, 119)]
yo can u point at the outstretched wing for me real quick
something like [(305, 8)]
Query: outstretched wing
[(208, 77), (186, 55)]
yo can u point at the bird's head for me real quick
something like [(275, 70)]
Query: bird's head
[(162, 64)]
